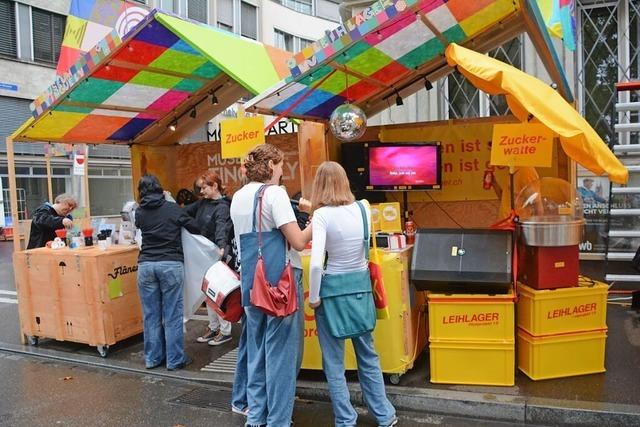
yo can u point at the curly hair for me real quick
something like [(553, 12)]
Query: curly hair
[(256, 163)]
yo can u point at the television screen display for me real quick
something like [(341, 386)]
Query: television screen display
[(404, 166)]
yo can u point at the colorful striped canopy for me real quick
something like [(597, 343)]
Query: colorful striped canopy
[(392, 48), (165, 69)]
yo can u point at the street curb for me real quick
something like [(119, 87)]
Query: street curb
[(486, 405)]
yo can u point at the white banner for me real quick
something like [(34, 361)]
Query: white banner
[(79, 164)]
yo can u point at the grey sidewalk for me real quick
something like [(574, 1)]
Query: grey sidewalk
[(611, 398)]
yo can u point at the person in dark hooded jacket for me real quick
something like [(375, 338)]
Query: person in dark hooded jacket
[(48, 218), (161, 275), (211, 213)]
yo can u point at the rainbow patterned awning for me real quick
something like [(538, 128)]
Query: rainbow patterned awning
[(166, 71), (396, 47)]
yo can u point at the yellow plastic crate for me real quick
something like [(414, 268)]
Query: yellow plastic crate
[(472, 362), (471, 317), (558, 356), (559, 311)]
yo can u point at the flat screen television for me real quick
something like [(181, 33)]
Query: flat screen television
[(404, 166)]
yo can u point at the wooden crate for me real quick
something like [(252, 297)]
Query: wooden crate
[(82, 295)]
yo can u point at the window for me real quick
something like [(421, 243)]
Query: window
[(167, 5), (225, 15), (302, 6), (609, 52), (327, 9), (283, 40), (8, 45), (48, 31), (289, 42), (197, 10), (248, 20)]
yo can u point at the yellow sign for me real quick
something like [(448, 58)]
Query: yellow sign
[(239, 136), (521, 145)]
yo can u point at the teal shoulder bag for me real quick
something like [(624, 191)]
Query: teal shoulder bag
[(347, 298)]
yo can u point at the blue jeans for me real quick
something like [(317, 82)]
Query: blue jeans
[(239, 391), (369, 376), (274, 354), (160, 287)]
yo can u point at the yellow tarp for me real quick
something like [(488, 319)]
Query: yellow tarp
[(526, 95)]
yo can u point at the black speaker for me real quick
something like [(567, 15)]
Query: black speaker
[(462, 260), (355, 160)]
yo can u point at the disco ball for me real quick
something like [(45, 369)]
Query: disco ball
[(348, 122)]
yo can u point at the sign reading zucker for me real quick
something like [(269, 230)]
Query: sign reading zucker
[(521, 145)]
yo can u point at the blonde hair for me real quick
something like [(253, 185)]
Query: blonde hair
[(256, 163), (331, 186), (67, 199)]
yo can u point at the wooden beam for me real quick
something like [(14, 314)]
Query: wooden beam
[(110, 107), (433, 28), (13, 195), (344, 69), (85, 180), (47, 159), (141, 67)]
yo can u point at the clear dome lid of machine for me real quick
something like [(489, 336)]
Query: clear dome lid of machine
[(550, 213)]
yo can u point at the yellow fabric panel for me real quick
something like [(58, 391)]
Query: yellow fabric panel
[(529, 95), (489, 15), (54, 126)]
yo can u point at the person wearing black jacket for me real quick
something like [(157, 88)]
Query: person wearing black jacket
[(161, 275), (48, 218), (211, 213)]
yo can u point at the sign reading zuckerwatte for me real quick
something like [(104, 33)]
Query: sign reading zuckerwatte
[(240, 135), (522, 144)]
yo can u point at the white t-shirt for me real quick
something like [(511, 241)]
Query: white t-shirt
[(276, 212), (339, 231)]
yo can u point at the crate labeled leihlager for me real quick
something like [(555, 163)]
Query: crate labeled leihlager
[(566, 310), (564, 355), (472, 362), (471, 317)]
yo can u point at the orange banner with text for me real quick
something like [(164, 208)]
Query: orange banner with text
[(466, 150), (522, 144), (240, 135)]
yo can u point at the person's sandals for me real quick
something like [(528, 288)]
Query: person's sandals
[(207, 336)]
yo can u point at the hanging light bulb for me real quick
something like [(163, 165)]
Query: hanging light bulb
[(174, 125), (193, 113), (399, 100), (214, 99)]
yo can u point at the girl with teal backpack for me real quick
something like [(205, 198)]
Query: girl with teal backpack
[(341, 294)]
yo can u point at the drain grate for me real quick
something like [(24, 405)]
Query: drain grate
[(208, 398)]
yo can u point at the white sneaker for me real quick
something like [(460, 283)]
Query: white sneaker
[(392, 423), (244, 411)]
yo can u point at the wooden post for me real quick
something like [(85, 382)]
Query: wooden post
[(47, 159), (87, 200), (13, 195)]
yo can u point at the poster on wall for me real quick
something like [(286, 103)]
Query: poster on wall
[(594, 192)]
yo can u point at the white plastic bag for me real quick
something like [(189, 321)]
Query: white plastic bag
[(199, 254)]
